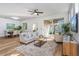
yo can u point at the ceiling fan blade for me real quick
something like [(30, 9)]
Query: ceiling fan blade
[(40, 12), (30, 11)]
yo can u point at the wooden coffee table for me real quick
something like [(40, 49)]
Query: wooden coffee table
[(39, 43)]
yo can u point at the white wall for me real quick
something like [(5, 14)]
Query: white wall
[(40, 22), (3, 25)]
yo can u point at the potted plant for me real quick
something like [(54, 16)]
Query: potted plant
[(18, 28), (66, 30)]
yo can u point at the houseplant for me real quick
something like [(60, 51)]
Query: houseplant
[(66, 30), (18, 28)]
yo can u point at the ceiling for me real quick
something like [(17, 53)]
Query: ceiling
[(8, 10)]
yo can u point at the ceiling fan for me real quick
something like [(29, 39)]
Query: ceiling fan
[(35, 11)]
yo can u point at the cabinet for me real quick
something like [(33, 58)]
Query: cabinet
[(70, 49), (66, 49), (73, 50)]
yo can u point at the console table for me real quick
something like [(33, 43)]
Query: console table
[(71, 48)]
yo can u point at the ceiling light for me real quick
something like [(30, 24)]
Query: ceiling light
[(15, 18)]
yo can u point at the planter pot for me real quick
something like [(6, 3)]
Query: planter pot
[(66, 38)]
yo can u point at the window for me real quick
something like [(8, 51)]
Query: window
[(10, 26)]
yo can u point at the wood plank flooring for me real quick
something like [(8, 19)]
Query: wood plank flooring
[(8, 45)]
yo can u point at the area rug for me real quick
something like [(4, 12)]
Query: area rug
[(31, 50)]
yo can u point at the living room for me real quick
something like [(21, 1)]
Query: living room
[(35, 29)]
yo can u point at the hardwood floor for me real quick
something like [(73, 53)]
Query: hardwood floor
[(8, 45), (58, 51)]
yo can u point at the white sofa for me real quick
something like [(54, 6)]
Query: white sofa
[(28, 36)]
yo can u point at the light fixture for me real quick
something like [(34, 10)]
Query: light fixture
[(15, 18)]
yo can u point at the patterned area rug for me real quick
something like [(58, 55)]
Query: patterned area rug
[(31, 50)]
